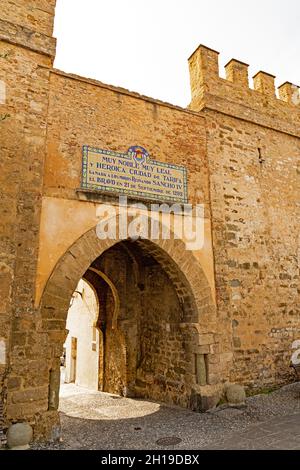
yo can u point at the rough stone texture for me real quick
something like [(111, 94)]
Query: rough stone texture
[(35, 15), (54, 382), (19, 436), (25, 57), (235, 394), (20, 35), (253, 151), (241, 149), (267, 422), (2, 425), (155, 361), (149, 347), (76, 115)]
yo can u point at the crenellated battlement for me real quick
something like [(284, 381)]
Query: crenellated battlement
[(261, 103)]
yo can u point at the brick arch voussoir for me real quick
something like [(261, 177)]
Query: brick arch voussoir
[(180, 264), (73, 264)]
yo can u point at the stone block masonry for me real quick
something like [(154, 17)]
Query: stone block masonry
[(231, 310), (253, 152), (27, 51)]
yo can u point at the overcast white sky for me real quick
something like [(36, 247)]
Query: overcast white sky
[(143, 45)]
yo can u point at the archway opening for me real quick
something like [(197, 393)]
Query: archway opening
[(126, 326), (144, 351), (150, 296), (80, 358)]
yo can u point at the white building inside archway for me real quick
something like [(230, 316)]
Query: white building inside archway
[(82, 344)]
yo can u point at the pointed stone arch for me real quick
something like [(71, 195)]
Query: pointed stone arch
[(182, 268)]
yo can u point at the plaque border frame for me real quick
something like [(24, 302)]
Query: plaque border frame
[(130, 194)]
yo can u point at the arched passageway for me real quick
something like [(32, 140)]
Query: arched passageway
[(141, 313), (154, 304)]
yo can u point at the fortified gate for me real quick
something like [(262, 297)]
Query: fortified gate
[(178, 324)]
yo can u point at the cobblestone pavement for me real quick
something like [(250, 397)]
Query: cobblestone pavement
[(95, 420)]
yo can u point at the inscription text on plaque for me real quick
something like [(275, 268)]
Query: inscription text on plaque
[(133, 174)]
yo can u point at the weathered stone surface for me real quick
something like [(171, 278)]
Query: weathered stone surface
[(201, 370), (47, 426), (235, 394), (155, 362), (236, 301), (54, 388), (202, 403), (253, 154), (19, 436)]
